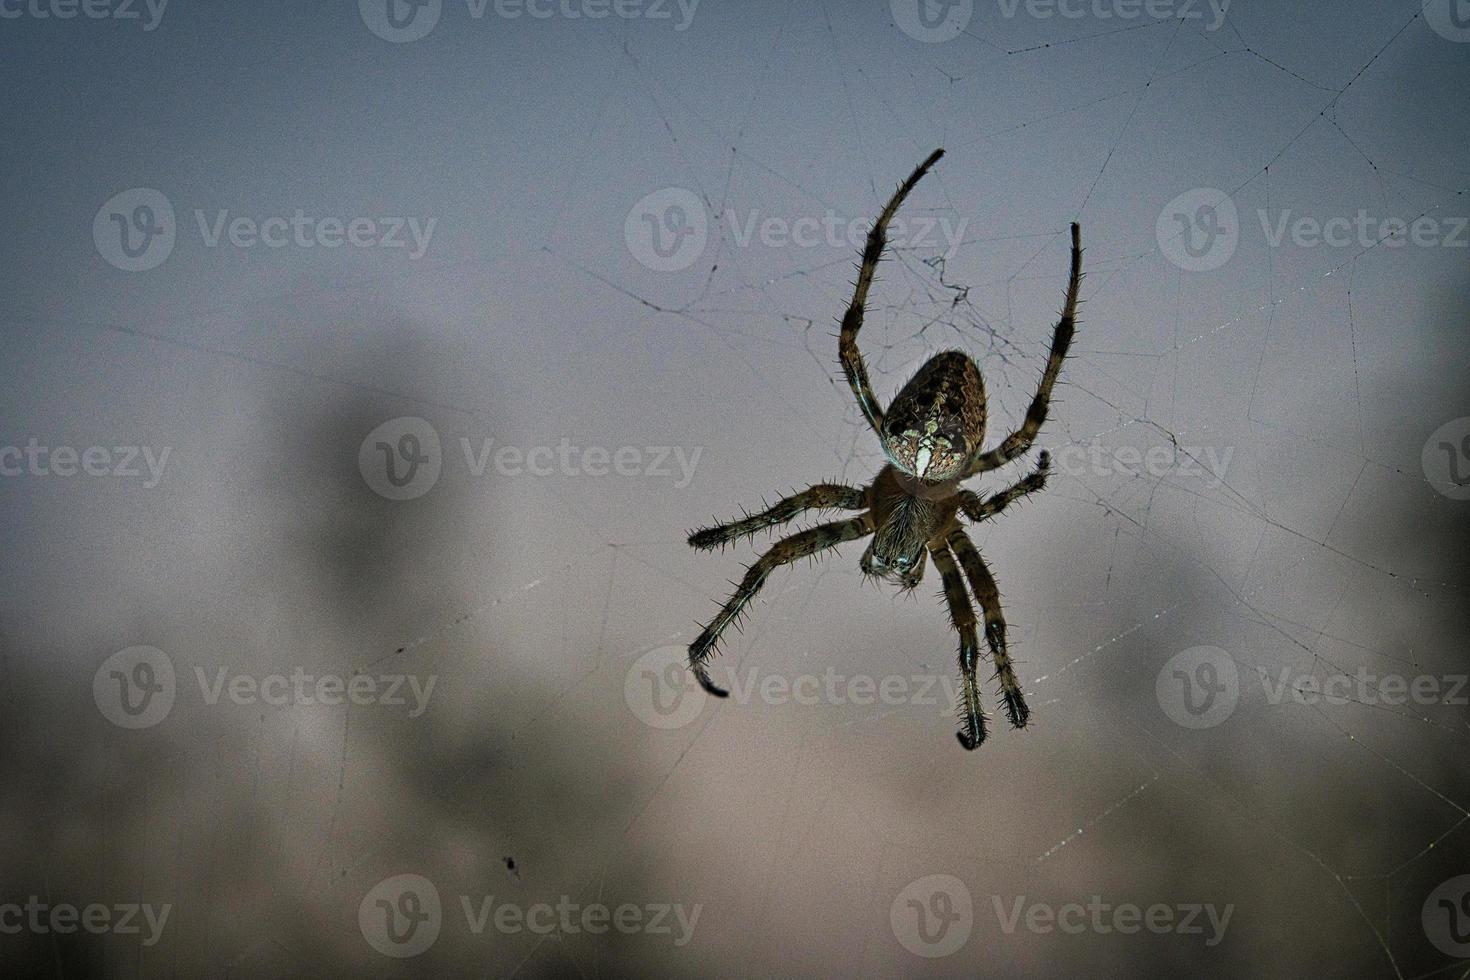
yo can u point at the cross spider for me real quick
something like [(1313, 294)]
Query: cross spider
[(931, 434)]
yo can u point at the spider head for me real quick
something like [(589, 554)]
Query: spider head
[(903, 568), (937, 419), (897, 551)]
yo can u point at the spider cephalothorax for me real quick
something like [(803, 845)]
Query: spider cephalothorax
[(931, 434)]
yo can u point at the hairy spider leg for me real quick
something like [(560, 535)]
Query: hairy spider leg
[(962, 617), (982, 583), (852, 320), (979, 508), (1019, 441), (783, 552), (821, 496)]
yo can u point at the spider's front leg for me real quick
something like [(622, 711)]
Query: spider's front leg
[(988, 595), (1019, 441), (978, 509), (821, 496), (783, 552), (962, 617), (852, 320)]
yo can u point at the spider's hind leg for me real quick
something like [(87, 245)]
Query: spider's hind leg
[(962, 616), (818, 497), (783, 552), (988, 595)]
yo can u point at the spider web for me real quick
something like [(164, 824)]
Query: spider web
[(1123, 388), (1288, 393)]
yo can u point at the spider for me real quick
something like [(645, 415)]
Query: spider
[(931, 435)]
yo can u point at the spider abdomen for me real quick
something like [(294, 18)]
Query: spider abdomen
[(938, 419)]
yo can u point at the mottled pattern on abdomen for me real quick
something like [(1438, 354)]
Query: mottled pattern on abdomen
[(947, 388)]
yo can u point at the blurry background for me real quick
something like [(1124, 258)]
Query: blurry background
[(442, 322)]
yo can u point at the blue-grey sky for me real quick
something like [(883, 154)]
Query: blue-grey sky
[(407, 339)]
